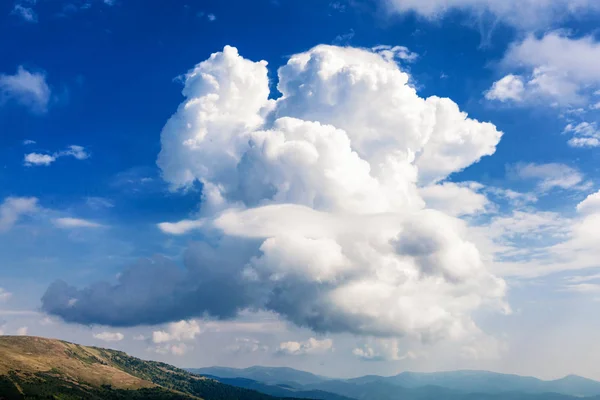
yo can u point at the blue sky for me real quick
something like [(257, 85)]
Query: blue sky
[(182, 209)]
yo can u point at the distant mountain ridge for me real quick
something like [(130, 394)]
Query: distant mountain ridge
[(413, 384)]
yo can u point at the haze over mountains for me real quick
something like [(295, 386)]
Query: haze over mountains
[(38, 368), (407, 385)]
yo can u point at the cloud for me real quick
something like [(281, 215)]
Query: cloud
[(550, 176), (521, 14), (37, 159), (22, 331), (73, 223), (177, 331), (97, 203), (26, 88), (311, 207), (13, 208), (177, 349), (382, 350), (246, 346), (311, 346), (28, 142), (109, 336), (456, 199), (396, 53), (26, 13), (585, 134), (555, 69), (4, 295), (511, 87)]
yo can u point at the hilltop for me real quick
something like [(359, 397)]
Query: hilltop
[(36, 368)]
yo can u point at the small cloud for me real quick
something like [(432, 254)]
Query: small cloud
[(140, 338), (4, 295), (28, 142), (509, 88), (396, 53), (311, 346), (26, 88), (245, 346), (26, 13), (98, 203), (177, 331), (178, 349), (550, 176), (69, 223), (181, 227), (13, 208), (109, 336), (22, 331), (211, 17), (38, 159)]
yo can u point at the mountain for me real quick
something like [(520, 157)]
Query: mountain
[(491, 382), (279, 390), (457, 385), (268, 375), (38, 368)]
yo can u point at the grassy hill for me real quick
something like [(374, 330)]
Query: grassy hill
[(38, 368)]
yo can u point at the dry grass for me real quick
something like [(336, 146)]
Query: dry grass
[(79, 364)]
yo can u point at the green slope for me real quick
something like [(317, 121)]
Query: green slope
[(38, 368)]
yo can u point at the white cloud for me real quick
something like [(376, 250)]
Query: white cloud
[(4, 295), (590, 205), (585, 134), (393, 53), (313, 203), (211, 17), (550, 176), (26, 13), (382, 350), (177, 349), (28, 142), (26, 88), (456, 199), (523, 14), (511, 87), (246, 346), (311, 346), (331, 178), (13, 208), (73, 223), (180, 227), (22, 331), (177, 331), (37, 159), (556, 69), (109, 336)]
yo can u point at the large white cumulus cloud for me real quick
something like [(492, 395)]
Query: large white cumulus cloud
[(320, 191)]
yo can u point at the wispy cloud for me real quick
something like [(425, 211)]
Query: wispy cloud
[(13, 208), (73, 223), (39, 159), (26, 88)]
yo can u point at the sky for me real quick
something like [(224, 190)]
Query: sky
[(347, 187)]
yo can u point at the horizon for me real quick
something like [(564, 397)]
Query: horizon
[(352, 187)]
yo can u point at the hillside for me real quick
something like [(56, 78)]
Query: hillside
[(38, 368)]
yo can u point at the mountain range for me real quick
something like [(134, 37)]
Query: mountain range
[(286, 382), (39, 368)]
